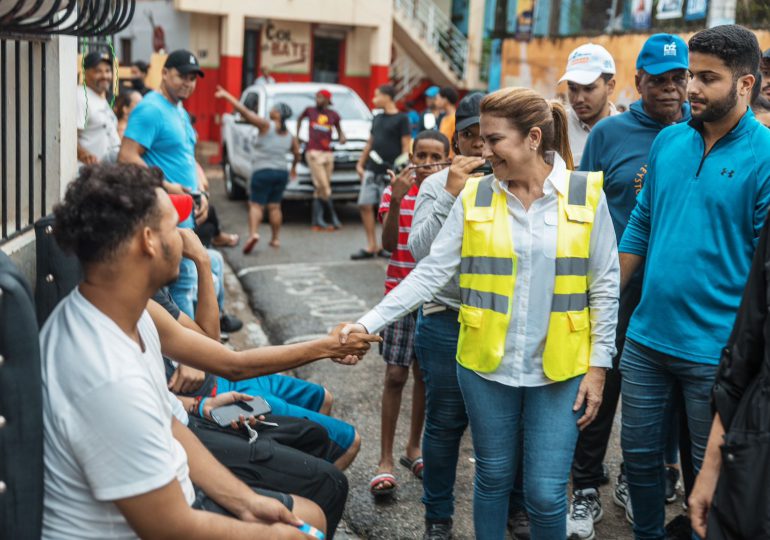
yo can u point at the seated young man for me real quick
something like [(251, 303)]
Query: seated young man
[(287, 396), (118, 463), (253, 371)]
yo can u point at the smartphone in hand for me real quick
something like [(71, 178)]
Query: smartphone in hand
[(228, 414)]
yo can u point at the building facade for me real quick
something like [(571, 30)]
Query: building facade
[(359, 43), (537, 58)]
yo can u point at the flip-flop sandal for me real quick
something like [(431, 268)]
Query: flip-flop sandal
[(232, 241), (379, 479), (249, 246), (415, 466)]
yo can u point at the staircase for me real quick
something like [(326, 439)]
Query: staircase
[(405, 74), (435, 45)]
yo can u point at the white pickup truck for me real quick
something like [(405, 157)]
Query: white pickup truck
[(238, 137)]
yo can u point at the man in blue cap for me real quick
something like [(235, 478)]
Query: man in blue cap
[(619, 145)]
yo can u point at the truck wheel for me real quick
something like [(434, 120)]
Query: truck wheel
[(234, 190)]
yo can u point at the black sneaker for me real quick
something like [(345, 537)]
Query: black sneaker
[(384, 254), (518, 525), (672, 483), (229, 323), (438, 530), (361, 255), (605, 475)]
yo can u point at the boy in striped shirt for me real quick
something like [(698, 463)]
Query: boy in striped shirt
[(430, 152)]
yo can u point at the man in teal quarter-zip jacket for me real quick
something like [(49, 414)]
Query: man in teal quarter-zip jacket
[(694, 228)]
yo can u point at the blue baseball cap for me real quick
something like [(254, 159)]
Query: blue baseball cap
[(662, 53), (432, 91)]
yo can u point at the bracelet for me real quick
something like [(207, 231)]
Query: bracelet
[(200, 407), (195, 404)]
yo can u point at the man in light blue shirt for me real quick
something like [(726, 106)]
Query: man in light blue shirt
[(694, 228), (160, 134)]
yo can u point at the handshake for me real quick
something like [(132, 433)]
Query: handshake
[(349, 342)]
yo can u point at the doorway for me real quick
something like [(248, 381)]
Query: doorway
[(327, 54), (250, 67)]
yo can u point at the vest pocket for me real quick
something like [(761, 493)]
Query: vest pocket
[(578, 320), (470, 316)]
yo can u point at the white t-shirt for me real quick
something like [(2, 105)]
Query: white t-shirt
[(97, 125), (107, 417)]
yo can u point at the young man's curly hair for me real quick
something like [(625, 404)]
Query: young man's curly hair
[(103, 207)]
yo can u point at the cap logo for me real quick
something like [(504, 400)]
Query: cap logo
[(579, 59), (192, 59), (670, 49)]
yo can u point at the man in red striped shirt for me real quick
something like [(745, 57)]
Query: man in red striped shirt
[(430, 152)]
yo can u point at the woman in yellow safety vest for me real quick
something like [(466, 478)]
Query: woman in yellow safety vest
[(535, 250)]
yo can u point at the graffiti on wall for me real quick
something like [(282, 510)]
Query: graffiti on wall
[(286, 47)]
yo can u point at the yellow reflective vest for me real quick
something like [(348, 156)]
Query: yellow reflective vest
[(488, 278)]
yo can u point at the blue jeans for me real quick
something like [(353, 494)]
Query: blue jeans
[(289, 396), (184, 290), (649, 378), (544, 417), (435, 343)]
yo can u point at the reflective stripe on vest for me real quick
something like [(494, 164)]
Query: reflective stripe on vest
[(488, 277)]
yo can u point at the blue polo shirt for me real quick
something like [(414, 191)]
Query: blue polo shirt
[(697, 221), (167, 135)]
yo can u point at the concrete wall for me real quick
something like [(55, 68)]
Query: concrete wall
[(342, 12), (540, 63), (176, 26)]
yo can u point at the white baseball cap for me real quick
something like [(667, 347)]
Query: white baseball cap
[(587, 63)]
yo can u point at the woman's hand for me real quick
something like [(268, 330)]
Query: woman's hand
[(354, 346), (590, 393), (221, 93)]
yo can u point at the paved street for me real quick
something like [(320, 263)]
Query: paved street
[(304, 289)]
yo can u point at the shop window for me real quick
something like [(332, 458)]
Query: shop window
[(326, 59)]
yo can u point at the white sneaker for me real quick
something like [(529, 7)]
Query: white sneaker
[(585, 510)]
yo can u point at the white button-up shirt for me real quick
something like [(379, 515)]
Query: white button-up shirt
[(97, 125), (534, 233)]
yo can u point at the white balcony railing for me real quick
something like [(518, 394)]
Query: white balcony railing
[(438, 32)]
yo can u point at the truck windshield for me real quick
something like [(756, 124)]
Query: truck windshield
[(348, 106)]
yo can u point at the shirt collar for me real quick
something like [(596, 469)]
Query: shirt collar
[(556, 180), (585, 127)]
